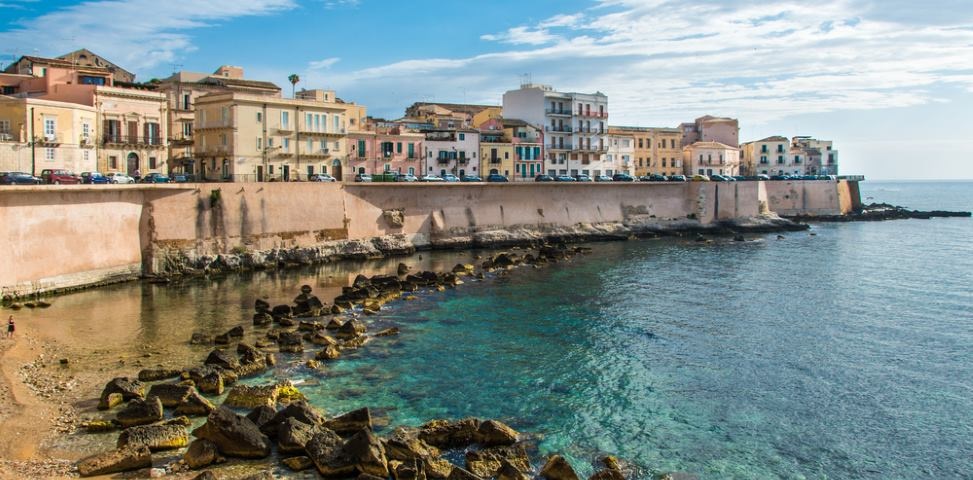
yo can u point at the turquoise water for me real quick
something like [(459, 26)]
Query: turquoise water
[(846, 354)]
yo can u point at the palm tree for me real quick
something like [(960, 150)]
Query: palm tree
[(294, 79)]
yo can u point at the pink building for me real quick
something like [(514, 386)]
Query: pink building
[(388, 150), (712, 129)]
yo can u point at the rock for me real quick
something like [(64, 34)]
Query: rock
[(361, 281), (221, 339), (402, 269), (113, 400), (155, 437), (262, 319), (607, 474), (282, 311), (140, 412), (388, 332), (300, 411), (509, 472), (270, 359), (129, 389), (334, 324), (461, 474), (235, 332), (437, 468), (303, 326), (493, 432), (446, 434), (114, 461), (206, 475), (739, 238), (331, 352), (324, 450), (152, 375), (313, 364), (366, 452), (610, 462), (487, 462), (557, 468), (290, 342), (351, 329), (201, 453), (96, 426), (208, 380), (171, 394), (201, 339), (411, 470), (404, 445), (261, 415), (222, 359), (247, 396), (293, 435), (181, 420), (234, 436), (195, 405), (338, 309), (350, 422), (463, 268), (261, 306), (780, 237), (298, 464), (319, 338)]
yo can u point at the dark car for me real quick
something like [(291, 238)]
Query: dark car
[(183, 178), (19, 178), (94, 178), (622, 177), (564, 178), (154, 177), (603, 178), (470, 178), (655, 177), (363, 177), (677, 178), (57, 176), (543, 178), (780, 177), (739, 178), (582, 177), (496, 177), (717, 178)]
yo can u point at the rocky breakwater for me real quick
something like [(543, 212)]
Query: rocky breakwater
[(875, 212), (274, 423)]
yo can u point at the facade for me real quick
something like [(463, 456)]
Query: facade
[(711, 158), (38, 134), (86, 58), (769, 156), (385, 151), (496, 150), (657, 150), (244, 138), (822, 157), (711, 129), (451, 151), (574, 124), (621, 155), (528, 149), (446, 116)]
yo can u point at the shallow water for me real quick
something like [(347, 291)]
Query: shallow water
[(844, 354)]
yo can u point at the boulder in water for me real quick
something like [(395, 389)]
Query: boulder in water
[(351, 422), (171, 394), (557, 468), (201, 453), (293, 435), (447, 434), (155, 437), (234, 436), (114, 461), (140, 412), (195, 405), (493, 432), (129, 389)]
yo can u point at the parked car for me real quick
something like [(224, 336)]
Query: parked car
[(183, 178), (406, 177), (564, 178), (763, 177), (699, 178), (471, 178), (57, 176), (677, 178), (154, 177), (19, 178), (780, 177), (543, 178), (321, 177), (449, 177), (120, 178), (93, 178), (655, 177), (603, 178), (430, 178), (739, 178), (582, 177), (496, 178), (622, 177), (363, 177), (717, 178)]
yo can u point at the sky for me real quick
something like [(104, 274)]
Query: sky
[(890, 81)]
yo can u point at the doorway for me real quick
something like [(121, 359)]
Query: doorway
[(336, 170), (132, 164)]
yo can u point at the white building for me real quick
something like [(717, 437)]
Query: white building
[(451, 151), (621, 155), (822, 158), (574, 126)]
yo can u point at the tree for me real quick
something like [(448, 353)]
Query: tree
[(294, 79)]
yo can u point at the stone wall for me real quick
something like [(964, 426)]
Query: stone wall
[(812, 198)]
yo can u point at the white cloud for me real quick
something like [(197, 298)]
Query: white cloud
[(333, 4), (522, 36), (323, 64), (142, 33)]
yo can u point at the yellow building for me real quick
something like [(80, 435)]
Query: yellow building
[(61, 135), (484, 116), (496, 154), (768, 156), (657, 150), (246, 138), (134, 132)]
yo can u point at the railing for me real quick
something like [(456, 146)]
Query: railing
[(558, 111), (558, 128), (589, 130), (587, 113), (566, 146), (110, 139)]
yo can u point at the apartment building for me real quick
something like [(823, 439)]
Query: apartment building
[(822, 157), (451, 151), (446, 116), (182, 89), (528, 149), (711, 158), (37, 134), (87, 58), (384, 151), (657, 150), (770, 156), (497, 154), (711, 129), (620, 157), (242, 137), (574, 125)]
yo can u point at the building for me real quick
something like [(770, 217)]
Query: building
[(447, 116), (451, 151), (657, 150), (574, 125), (385, 150), (497, 155), (711, 129), (37, 134), (822, 158), (182, 89), (769, 156), (242, 137), (86, 58), (620, 157), (528, 149), (711, 158)]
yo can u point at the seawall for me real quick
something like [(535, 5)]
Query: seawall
[(63, 237)]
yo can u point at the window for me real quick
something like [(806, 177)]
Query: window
[(337, 146), (152, 163), (187, 129), (224, 114), (113, 162), (398, 147), (185, 101), (412, 150), (317, 123), (85, 131), (780, 159), (287, 144), (337, 123), (260, 117), (84, 155), (780, 148), (4, 126), (308, 121), (462, 136), (763, 159), (49, 154), (284, 119), (270, 142), (50, 128), (223, 139), (260, 143)]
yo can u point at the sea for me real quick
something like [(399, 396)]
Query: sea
[(842, 352)]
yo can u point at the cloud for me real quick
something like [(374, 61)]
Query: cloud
[(323, 64), (143, 33), (662, 61), (333, 4)]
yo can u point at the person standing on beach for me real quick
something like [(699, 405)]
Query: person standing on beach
[(10, 327)]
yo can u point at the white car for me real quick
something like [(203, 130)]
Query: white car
[(430, 178), (321, 177), (119, 177)]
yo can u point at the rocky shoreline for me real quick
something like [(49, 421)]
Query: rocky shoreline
[(274, 425), (877, 212)]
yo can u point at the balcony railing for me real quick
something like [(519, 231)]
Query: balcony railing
[(587, 113), (566, 146), (110, 139), (558, 111), (558, 128)]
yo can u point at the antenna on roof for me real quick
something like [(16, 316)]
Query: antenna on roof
[(525, 80), (176, 67)]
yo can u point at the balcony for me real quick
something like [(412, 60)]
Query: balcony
[(319, 153), (320, 133), (589, 130), (6, 137), (566, 146), (558, 111), (86, 142), (591, 114), (137, 140), (558, 128)]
